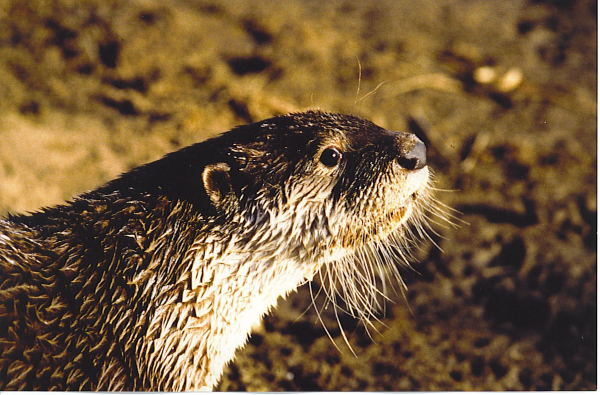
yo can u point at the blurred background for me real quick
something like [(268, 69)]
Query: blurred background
[(503, 92)]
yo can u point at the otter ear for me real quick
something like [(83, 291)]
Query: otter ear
[(217, 182)]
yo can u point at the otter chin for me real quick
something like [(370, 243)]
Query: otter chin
[(154, 280)]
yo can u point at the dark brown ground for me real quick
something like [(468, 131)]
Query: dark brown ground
[(89, 89)]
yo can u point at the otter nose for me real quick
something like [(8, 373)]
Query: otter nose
[(415, 158)]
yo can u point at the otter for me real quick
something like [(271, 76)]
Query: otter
[(154, 280)]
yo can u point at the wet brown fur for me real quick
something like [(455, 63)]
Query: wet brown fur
[(138, 284)]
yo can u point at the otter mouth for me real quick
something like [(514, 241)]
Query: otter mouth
[(397, 218), (405, 209), (410, 200)]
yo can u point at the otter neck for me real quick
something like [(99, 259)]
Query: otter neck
[(197, 289), (227, 288)]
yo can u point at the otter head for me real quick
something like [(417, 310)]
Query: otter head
[(324, 191)]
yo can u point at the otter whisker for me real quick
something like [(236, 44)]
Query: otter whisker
[(320, 318)]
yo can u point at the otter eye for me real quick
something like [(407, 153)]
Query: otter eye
[(330, 157)]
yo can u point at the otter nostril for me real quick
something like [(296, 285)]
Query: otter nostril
[(409, 164), (416, 158)]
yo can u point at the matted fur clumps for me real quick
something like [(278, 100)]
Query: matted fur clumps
[(153, 281)]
